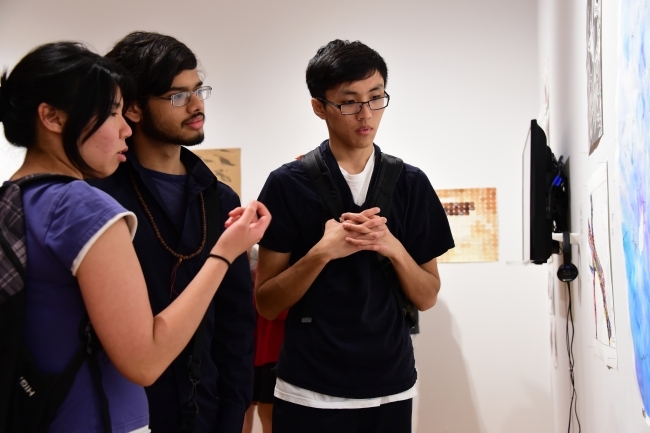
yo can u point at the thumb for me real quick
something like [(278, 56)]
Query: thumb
[(331, 222)]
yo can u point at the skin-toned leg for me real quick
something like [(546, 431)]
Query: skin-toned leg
[(248, 419), (265, 412)]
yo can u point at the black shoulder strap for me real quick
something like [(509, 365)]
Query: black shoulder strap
[(191, 409), (406, 306), (331, 202), (390, 167), (92, 348), (37, 396), (321, 177)]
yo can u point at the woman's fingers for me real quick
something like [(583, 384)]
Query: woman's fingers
[(256, 217), (230, 221), (234, 216), (236, 211)]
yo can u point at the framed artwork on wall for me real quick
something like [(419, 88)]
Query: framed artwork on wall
[(594, 74), (633, 163), (600, 268), (472, 214), (225, 164)]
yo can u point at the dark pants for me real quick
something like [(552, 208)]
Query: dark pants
[(387, 418)]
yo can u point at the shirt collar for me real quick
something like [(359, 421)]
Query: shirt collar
[(200, 176)]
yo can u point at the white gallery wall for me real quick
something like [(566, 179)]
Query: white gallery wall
[(608, 399), (463, 80)]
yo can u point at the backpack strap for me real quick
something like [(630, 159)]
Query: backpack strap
[(12, 215), (331, 202), (92, 348), (405, 304), (321, 178), (390, 168), (190, 410), (35, 409)]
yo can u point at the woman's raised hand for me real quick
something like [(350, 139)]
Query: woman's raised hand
[(244, 228)]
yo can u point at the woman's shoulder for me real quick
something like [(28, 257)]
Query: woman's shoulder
[(73, 205), (58, 191), (79, 197)]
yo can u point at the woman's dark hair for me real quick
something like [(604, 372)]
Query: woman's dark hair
[(153, 60), (69, 77), (341, 62)]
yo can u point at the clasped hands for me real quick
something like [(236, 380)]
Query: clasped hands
[(364, 231)]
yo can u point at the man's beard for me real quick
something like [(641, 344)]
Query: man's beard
[(161, 132)]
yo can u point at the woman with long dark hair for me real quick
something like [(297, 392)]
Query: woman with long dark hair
[(64, 104)]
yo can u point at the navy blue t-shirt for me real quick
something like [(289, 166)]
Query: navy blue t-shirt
[(172, 190), (358, 343)]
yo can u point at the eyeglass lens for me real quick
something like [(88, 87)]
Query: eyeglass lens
[(180, 99), (374, 104)]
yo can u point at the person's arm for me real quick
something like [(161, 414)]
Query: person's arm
[(140, 345), (420, 283), (279, 286)]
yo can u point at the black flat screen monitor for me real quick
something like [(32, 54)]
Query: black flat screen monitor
[(538, 166)]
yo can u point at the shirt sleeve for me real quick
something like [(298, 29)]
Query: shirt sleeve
[(429, 234), (276, 196), (81, 215)]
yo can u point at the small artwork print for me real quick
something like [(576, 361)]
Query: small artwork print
[(594, 74), (600, 272), (472, 214), (225, 164)]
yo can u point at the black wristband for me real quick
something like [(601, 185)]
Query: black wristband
[(216, 256)]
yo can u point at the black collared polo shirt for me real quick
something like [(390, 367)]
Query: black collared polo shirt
[(225, 390), (358, 343)]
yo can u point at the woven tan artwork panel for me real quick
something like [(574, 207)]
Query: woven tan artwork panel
[(225, 164), (472, 214)]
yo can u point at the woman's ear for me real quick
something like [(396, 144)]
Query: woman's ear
[(319, 108), (134, 113), (52, 118)]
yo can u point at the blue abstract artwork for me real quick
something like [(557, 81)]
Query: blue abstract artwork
[(633, 124)]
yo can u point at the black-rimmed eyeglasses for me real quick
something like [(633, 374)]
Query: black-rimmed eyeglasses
[(355, 107), (184, 98)]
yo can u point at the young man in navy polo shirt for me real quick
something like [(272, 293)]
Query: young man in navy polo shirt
[(351, 367)]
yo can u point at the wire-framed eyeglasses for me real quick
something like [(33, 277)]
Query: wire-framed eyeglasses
[(184, 98), (355, 107)]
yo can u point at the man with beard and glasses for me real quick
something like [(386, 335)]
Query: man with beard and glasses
[(182, 208)]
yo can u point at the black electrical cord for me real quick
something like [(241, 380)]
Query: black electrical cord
[(573, 406)]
